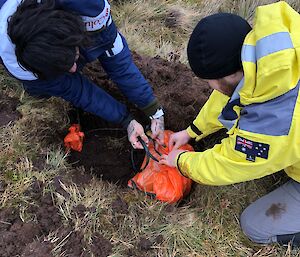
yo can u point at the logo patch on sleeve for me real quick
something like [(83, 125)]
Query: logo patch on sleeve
[(251, 149)]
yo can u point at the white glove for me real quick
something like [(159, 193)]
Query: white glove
[(157, 129)]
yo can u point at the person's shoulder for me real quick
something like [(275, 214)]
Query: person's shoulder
[(83, 7)]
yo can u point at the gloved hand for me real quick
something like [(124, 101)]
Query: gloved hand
[(157, 129), (178, 139), (134, 130)]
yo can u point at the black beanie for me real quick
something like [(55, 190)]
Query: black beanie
[(214, 48)]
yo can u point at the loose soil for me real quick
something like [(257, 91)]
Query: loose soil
[(8, 109), (106, 151)]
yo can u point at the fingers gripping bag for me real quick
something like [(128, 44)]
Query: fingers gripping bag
[(161, 181)]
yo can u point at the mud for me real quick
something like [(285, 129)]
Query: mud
[(8, 110), (276, 210), (106, 151)]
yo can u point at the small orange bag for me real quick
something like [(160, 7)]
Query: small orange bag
[(163, 182), (74, 139)]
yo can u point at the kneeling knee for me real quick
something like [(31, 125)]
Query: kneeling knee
[(252, 228)]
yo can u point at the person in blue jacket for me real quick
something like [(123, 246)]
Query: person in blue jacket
[(45, 43)]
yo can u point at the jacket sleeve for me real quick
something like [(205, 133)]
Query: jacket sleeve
[(122, 70), (232, 162), (207, 121), (82, 93)]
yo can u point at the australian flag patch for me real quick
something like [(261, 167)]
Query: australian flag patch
[(252, 149)]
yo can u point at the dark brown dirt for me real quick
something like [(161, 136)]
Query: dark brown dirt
[(120, 206), (106, 157), (145, 244), (144, 247), (58, 188), (75, 245), (37, 249), (106, 151), (80, 178), (8, 109), (101, 247), (15, 235)]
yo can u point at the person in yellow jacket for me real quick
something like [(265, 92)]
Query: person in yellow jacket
[(255, 74)]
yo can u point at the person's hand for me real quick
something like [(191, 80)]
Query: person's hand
[(170, 159), (178, 139), (135, 130), (157, 130)]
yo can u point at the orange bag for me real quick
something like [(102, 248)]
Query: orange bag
[(74, 138), (164, 182)]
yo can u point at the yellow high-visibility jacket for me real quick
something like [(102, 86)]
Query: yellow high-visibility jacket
[(263, 114)]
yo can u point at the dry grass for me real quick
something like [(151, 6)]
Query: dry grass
[(205, 224), (161, 27)]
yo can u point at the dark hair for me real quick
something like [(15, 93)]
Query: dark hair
[(45, 37)]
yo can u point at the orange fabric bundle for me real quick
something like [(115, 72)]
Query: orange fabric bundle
[(164, 182), (74, 138)]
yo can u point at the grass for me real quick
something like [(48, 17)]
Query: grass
[(205, 224)]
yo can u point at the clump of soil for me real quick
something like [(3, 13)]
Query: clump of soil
[(8, 109), (80, 178), (106, 151), (101, 247), (75, 245), (145, 244), (17, 237), (37, 249), (144, 247), (120, 206)]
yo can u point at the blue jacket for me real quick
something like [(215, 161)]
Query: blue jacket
[(111, 49)]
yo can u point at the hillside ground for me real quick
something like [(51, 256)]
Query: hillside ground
[(58, 204)]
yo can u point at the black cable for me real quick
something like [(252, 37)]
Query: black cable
[(148, 156)]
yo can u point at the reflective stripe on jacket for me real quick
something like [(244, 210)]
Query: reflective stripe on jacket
[(263, 114)]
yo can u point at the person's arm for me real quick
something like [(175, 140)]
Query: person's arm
[(207, 121), (122, 70), (240, 157), (82, 93)]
